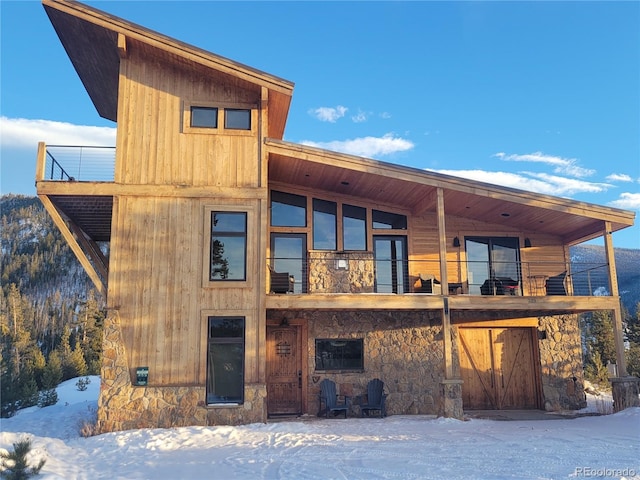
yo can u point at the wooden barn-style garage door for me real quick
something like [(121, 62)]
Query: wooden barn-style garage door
[(498, 367)]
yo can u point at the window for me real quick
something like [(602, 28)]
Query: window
[(354, 227), (238, 119), (339, 354), (288, 210), (386, 220), (219, 118), (491, 263), (228, 255), (204, 117), (225, 362), (324, 225)]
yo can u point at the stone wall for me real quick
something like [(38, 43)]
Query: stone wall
[(354, 273), (561, 363), (401, 348), (124, 406)]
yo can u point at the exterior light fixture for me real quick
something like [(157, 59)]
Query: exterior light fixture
[(456, 242)]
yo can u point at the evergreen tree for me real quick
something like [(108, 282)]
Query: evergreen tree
[(15, 465), (600, 337), (633, 338)]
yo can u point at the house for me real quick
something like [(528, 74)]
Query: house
[(240, 269)]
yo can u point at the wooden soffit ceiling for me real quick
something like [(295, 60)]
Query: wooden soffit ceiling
[(416, 191)]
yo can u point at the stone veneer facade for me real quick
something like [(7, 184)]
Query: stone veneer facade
[(401, 348), (124, 406), (561, 363)]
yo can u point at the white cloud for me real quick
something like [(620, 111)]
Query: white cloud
[(360, 117), (366, 146), (567, 166), (627, 201), (329, 114), (531, 182), (619, 177), (26, 133)]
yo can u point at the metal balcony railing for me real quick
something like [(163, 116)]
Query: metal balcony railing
[(360, 272), (80, 163)]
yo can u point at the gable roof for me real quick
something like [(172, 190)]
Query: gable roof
[(91, 40), (416, 190)]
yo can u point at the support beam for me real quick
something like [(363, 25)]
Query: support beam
[(73, 244), (92, 249), (617, 312)]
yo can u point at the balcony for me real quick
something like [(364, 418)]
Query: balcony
[(329, 280), (359, 272)]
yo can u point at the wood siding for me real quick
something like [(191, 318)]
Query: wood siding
[(156, 283), (151, 148)]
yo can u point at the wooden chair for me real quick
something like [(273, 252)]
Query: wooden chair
[(281, 282), (329, 398), (376, 399), (429, 284), (555, 285)]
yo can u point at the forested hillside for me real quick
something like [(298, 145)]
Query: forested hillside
[(51, 317)]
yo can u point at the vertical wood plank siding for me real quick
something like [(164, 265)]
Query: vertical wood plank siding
[(157, 259), (153, 150)]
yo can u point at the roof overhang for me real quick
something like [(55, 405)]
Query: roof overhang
[(93, 41), (416, 191)]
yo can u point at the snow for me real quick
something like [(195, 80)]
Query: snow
[(396, 447)]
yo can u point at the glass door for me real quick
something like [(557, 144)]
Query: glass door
[(289, 254), (390, 255), (493, 265)]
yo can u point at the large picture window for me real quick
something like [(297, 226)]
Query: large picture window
[(340, 354), (324, 225), (354, 227), (228, 255), (225, 360)]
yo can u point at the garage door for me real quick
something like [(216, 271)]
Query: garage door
[(498, 368)]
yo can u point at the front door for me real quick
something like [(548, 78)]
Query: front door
[(284, 370), (498, 368)]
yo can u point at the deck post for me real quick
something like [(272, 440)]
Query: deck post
[(617, 312)]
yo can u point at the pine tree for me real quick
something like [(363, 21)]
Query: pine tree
[(600, 337), (15, 465)]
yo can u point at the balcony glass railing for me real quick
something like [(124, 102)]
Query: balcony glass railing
[(360, 272), (80, 163)]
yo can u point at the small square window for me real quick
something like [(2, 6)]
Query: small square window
[(204, 117), (237, 119)]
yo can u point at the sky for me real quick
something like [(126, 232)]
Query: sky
[(404, 447), (540, 96)]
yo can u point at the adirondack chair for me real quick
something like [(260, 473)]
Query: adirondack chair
[(329, 398), (376, 399)]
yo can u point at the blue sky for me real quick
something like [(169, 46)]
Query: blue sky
[(542, 96)]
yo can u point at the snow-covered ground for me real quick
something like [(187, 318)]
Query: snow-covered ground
[(396, 447)]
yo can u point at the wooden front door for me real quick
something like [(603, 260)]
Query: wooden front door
[(498, 368), (284, 370)]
